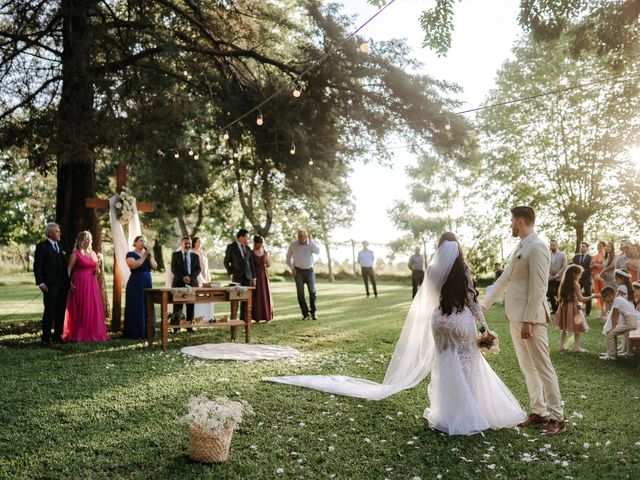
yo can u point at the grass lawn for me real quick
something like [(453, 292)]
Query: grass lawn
[(111, 410)]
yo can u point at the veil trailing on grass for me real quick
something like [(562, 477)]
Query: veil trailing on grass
[(414, 354)]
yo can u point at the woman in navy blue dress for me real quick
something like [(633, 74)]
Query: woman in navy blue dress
[(141, 262)]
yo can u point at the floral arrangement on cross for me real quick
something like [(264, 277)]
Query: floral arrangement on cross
[(125, 202)]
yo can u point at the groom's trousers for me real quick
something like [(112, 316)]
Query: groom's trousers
[(539, 374)]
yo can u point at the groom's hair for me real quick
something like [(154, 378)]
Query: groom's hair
[(526, 213)]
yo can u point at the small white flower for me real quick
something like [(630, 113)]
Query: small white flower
[(367, 440), (586, 445), (492, 466), (608, 442), (388, 469), (416, 478), (302, 424), (254, 447), (565, 463), (294, 454), (331, 448), (410, 442), (399, 414)]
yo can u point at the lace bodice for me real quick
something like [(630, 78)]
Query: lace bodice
[(457, 333)]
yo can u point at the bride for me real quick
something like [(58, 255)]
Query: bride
[(438, 337)]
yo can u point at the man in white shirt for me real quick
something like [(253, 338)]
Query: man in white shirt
[(365, 259), (556, 270), (624, 318), (300, 260)]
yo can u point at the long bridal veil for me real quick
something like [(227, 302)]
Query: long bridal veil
[(414, 355)]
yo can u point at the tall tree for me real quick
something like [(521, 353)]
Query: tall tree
[(567, 154)]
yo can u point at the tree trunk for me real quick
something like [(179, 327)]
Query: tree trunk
[(157, 253), (328, 249), (353, 257), (579, 235)]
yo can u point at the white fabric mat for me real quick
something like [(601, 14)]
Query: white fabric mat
[(239, 351)]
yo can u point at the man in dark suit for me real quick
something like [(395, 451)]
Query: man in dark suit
[(239, 263), (584, 260), (50, 269), (185, 267)]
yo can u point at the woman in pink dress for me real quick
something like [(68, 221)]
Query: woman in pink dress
[(84, 321), (262, 307)]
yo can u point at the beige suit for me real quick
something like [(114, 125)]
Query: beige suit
[(524, 284)]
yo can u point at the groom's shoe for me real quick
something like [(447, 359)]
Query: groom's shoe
[(554, 427), (534, 419)]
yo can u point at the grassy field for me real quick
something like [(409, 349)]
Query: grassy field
[(112, 410)]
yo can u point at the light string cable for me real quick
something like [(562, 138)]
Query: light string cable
[(618, 78), (314, 65)]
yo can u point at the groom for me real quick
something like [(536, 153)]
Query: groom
[(525, 282)]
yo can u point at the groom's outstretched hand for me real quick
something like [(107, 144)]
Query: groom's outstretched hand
[(525, 332)]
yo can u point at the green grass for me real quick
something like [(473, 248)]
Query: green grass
[(111, 410)]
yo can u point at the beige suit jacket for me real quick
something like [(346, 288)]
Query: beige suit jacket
[(524, 283)]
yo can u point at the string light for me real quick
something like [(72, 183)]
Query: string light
[(196, 156), (208, 146), (225, 135), (293, 149), (363, 46), (448, 126), (190, 152), (259, 119), (176, 155), (561, 101), (297, 91), (160, 152), (310, 161)]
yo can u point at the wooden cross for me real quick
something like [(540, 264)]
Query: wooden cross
[(121, 181)]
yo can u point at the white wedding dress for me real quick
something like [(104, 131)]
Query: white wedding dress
[(466, 396)]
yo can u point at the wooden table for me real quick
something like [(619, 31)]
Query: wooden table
[(163, 297)]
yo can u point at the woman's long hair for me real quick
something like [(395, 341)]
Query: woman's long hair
[(609, 257), (567, 291), (458, 289)]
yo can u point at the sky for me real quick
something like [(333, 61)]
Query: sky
[(484, 32)]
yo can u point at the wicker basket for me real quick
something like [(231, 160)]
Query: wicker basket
[(207, 448)]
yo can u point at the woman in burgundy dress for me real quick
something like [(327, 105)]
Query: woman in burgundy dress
[(262, 308)]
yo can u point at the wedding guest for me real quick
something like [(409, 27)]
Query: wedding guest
[(204, 310), (632, 261), (185, 267), (623, 278), (140, 262), (569, 317), (416, 265), (365, 260), (556, 269), (584, 260), (50, 270), (262, 306), (608, 265), (85, 320), (300, 261), (621, 260), (624, 318), (240, 265), (497, 270), (597, 264)]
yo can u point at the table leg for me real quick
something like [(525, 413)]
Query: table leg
[(247, 321), (149, 319), (165, 320)]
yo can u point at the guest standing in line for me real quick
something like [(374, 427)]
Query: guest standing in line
[(621, 259), (84, 321), (204, 310), (416, 265), (584, 260), (300, 261), (365, 259), (597, 264), (556, 271), (50, 270), (632, 261), (240, 265), (262, 305), (608, 266), (185, 267), (140, 262), (497, 270)]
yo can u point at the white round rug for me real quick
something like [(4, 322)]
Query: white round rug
[(239, 351)]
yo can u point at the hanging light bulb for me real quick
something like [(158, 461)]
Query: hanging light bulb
[(297, 91), (176, 155), (208, 146), (363, 46), (448, 126), (259, 119), (225, 135), (310, 161), (190, 152), (160, 152), (196, 156), (293, 149), (561, 101)]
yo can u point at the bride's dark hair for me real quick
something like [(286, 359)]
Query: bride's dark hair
[(456, 290)]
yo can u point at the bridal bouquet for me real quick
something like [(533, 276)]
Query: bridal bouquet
[(124, 205), (488, 343)]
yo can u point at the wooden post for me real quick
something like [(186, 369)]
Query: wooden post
[(353, 257)]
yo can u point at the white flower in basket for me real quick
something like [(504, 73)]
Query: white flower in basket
[(124, 205), (211, 425)]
